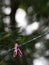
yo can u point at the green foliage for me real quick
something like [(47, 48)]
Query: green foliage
[(8, 40)]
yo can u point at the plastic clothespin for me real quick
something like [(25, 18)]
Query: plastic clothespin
[(17, 51)]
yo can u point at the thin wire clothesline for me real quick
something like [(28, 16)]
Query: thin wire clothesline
[(28, 42), (31, 40)]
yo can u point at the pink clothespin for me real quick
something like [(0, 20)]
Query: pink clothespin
[(17, 51)]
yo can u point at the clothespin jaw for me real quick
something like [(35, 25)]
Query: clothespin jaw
[(17, 51)]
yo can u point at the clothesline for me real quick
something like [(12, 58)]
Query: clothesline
[(29, 41)]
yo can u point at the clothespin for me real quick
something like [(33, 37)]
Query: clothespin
[(17, 51)]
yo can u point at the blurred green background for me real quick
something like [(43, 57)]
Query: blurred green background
[(35, 11)]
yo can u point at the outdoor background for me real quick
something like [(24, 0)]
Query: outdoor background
[(21, 21)]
